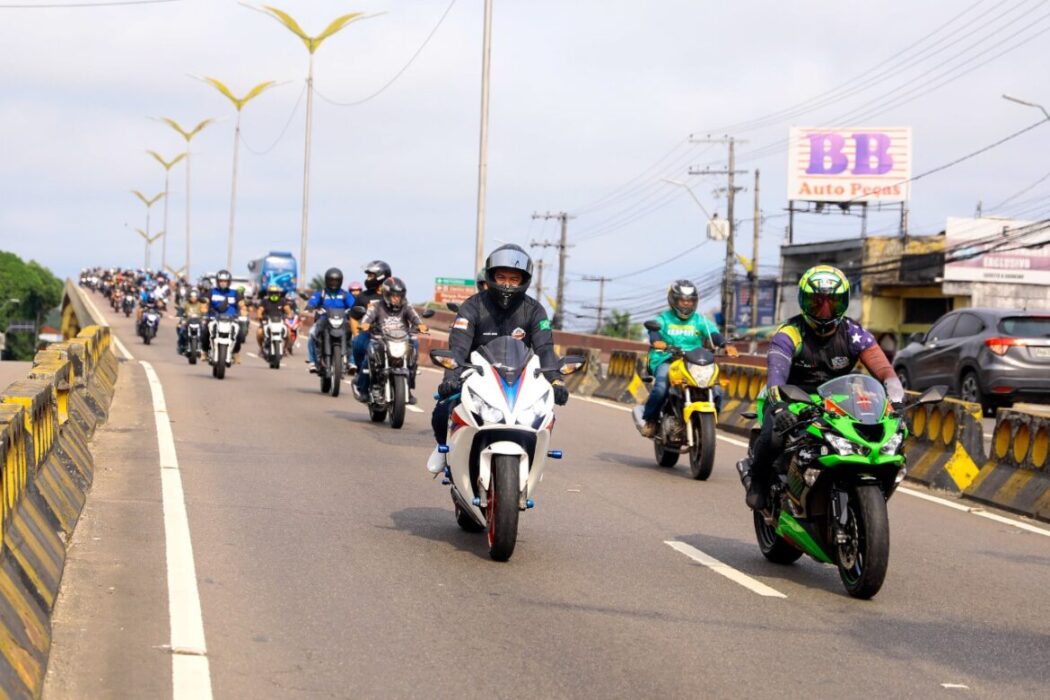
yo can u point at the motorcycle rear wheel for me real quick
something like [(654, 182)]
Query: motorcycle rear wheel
[(502, 511), (377, 415), (664, 457), (465, 522), (396, 412), (702, 453), (863, 564), (774, 547)]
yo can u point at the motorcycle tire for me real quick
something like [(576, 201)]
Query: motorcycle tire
[(702, 453), (193, 353), (863, 569), (275, 360), (220, 362), (774, 547), (465, 522), (377, 415), (337, 376), (665, 458), (146, 338), (502, 511), (396, 412)]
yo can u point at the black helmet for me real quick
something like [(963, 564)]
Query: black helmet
[(479, 281), (333, 279), (375, 273), (394, 287), (223, 276), (508, 257), (682, 297)]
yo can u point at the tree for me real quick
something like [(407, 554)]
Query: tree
[(619, 325), (317, 282), (38, 291)]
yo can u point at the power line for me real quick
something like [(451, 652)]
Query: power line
[(61, 5), (283, 130), (397, 75)]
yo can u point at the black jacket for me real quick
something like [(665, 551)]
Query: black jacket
[(480, 320)]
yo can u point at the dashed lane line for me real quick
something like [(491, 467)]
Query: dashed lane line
[(734, 575), (190, 671)]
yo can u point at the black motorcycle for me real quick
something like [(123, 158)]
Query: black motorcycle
[(333, 342), (193, 347), (127, 305)]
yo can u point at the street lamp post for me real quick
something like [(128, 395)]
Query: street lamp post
[(238, 104), (483, 149), (167, 165), (188, 136), (312, 43), (149, 241), (149, 202)]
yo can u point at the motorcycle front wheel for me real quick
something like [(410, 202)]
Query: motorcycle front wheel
[(219, 370), (863, 560), (337, 372), (396, 411), (502, 511), (702, 453), (275, 359), (193, 353)]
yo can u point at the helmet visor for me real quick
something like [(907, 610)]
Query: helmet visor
[(824, 306)]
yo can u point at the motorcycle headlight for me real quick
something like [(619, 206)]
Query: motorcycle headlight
[(488, 412), (335, 322), (702, 374), (893, 444), (534, 413), (842, 445), (397, 348)]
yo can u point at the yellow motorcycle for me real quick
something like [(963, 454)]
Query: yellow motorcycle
[(688, 419)]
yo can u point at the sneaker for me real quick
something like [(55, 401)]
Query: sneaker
[(436, 462), (649, 429), (351, 368), (311, 367)]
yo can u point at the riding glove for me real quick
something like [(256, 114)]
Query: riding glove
[(561, 393)]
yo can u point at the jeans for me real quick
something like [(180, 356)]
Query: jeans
[(657, 393), (360, 348), (439, 418), (311, 344)]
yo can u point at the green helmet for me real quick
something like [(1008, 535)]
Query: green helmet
[(823, 297)]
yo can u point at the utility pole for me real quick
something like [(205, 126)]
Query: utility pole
[(753, 272), (483, 148), (562, 245), (540, 264), (728, 281), (601, 298)]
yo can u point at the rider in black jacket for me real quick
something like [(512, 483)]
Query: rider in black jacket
[(502, 309)]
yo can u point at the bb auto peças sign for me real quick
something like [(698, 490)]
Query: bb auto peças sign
[(860, 164), (453, 289)]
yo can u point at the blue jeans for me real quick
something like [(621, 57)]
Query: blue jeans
[(311, 345), (657, 393), (359, 346)]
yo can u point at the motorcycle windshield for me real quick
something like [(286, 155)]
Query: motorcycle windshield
[(508, 356), (858, 396)]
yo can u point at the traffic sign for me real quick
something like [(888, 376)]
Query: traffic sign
[(453, 289)]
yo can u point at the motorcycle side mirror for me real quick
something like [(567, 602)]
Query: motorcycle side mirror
[(652, 325), (443, 358), (934, 394), (452, 306), (571, 364), (358, 312), (795, 394), (427, 313)]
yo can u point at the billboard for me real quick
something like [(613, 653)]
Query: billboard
[(767, 302), (453, 289), (967, 240), (849, 165)]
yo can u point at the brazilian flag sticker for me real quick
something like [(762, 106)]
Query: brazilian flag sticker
[(545, 325)]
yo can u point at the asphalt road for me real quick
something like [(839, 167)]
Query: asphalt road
[(329, 564)]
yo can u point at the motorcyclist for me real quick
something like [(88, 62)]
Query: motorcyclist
[(682, 327), (356, 289), (224, 301), (191, 308), (376, 272), (273, 305), (809, 349), (392, 312), (480, 282), (333, 296), (502, 309)]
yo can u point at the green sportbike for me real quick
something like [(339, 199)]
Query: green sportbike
[(841, 462)]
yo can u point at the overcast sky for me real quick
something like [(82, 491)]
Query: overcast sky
[(587, 95)]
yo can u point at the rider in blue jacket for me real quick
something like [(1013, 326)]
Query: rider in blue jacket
[(333, 296), (223, 300)]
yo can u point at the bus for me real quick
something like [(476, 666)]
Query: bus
[(277, 268)]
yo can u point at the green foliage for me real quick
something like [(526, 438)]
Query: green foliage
[(39, 292), (618, 325), (317, 282)]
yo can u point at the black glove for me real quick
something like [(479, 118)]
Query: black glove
[(897, 408), (561, 393), (449, 387), (783, 418)]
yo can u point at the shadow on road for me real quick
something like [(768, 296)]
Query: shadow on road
[(636, 462), (439, 525)]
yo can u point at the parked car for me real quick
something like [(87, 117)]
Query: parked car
[(994, 357)]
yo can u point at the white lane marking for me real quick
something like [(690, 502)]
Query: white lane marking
[(753, 585), (252, 354), (120, 346), (975, 510), (414, 409), (190, 673), (955, 686)]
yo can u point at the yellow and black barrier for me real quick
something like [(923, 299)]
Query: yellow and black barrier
[(46, 420), (623, 382), (945, 449), (1017, 476), (587, 378)]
